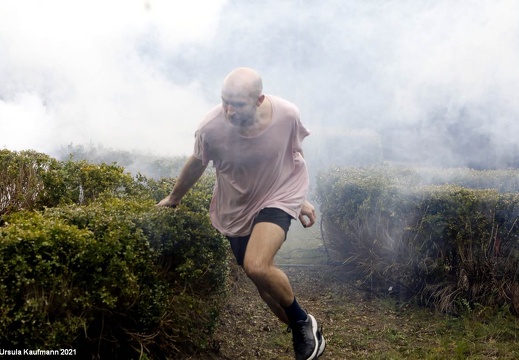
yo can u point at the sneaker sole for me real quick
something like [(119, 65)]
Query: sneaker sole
[(314, 354), (322, 346)]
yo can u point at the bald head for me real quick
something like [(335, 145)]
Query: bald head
[(243, 81), (242, 96)]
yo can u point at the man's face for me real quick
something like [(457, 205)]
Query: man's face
[(239, 109)]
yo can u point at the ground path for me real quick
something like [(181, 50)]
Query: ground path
[(356, 323)]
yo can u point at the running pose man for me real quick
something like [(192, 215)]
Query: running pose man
[(254, 141)]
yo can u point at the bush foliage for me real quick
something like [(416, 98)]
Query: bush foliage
[(397, 229), (103, 270), (31, 181)]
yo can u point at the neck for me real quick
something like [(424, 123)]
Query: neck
[(251, 127), (259, 122)]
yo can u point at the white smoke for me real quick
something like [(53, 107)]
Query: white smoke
[(73, 71), (435, 80)]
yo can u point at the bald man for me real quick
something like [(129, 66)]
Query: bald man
[(254, 141)]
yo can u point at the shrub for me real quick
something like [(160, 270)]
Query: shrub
[(22, 184), (468, 244), (85, 182), (113, 278), (31, 180), (40, 259), (443, 244)]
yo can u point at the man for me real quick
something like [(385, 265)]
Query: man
[(254, 141)]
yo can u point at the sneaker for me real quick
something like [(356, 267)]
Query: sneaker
[(322, 343), (308, 341)]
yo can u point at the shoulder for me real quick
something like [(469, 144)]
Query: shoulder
[(287, 113), (211, 117), (286, 107)]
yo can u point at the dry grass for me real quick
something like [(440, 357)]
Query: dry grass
[(357, 324)]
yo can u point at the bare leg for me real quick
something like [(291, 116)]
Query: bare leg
[(272, 283), (274, 307)]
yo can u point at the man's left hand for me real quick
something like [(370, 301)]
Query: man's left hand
[(307, 216)]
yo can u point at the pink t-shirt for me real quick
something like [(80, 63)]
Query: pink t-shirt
[(266, 170)]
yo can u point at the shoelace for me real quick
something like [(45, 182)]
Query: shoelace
[(299, 334)]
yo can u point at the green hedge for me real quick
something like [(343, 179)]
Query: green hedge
[(449, 245), (103, 270), (31, 180), (22, 184), (110, 277)]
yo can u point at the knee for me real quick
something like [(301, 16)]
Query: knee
[(254, 270)]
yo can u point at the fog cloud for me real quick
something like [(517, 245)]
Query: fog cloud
[(74, 72), (435, 81)]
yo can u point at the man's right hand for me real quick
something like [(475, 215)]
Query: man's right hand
[(167, 202)]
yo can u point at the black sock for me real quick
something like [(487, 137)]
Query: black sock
[(295, 313)]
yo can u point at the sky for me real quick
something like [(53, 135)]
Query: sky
[(421, 82)]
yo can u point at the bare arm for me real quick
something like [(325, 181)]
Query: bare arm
[(192, 171)]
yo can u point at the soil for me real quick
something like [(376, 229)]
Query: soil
[(349, 316), (355, 324)]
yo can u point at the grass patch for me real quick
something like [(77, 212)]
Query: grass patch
[(378, 330), (358, 325)]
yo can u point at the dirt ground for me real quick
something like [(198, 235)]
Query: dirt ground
[(249, 331), (350, 319), (356, 324)]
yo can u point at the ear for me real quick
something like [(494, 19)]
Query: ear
[(261, 98)]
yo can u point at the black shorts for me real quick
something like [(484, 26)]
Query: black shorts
[(271, 215)]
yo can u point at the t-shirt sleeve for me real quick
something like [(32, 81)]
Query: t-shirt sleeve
[(201, 148), (299, 134), (198, 150)]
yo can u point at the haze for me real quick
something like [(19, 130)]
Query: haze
[(434, 82)]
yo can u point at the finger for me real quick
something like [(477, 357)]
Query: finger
[(306, 220), (165, 204)]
